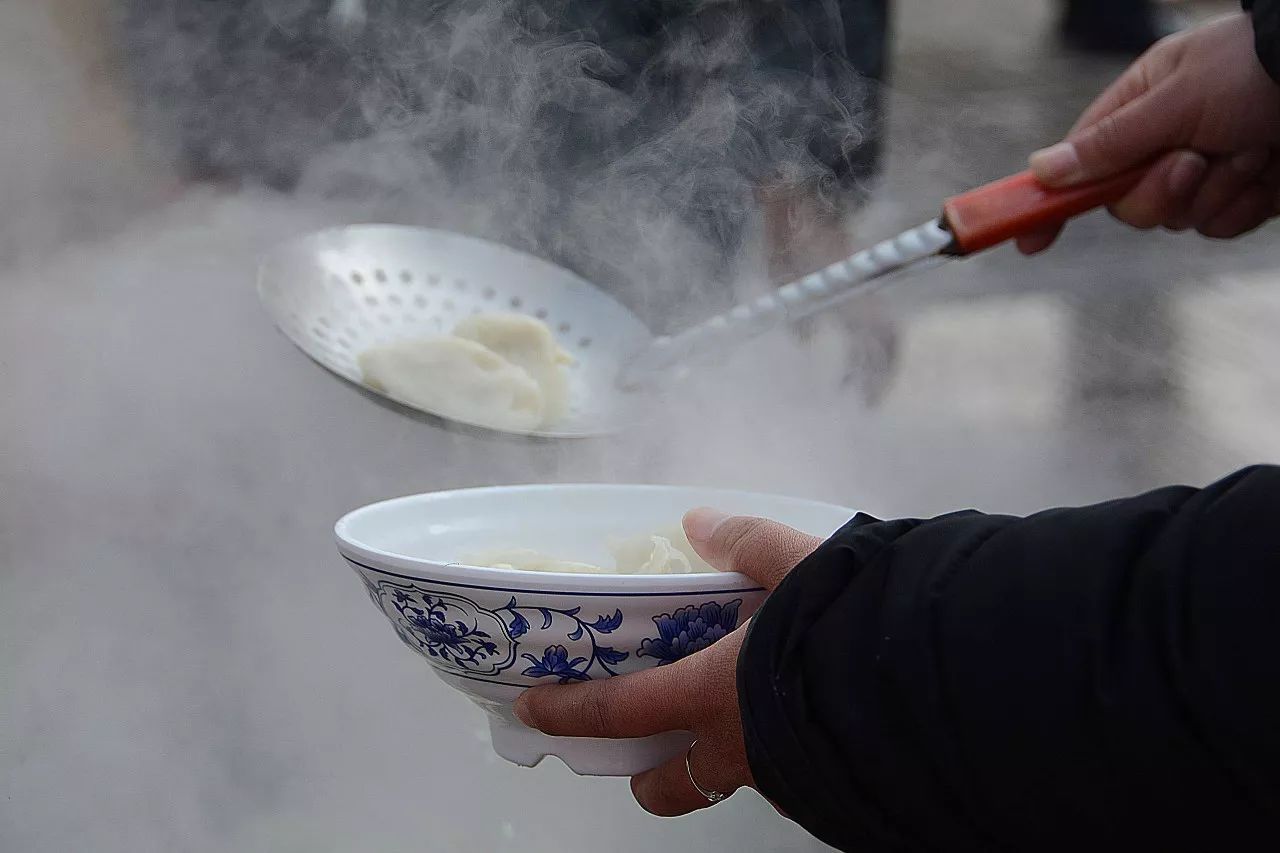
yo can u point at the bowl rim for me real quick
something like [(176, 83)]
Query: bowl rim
[(362, 555)]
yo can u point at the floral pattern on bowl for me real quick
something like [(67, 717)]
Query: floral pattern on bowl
[(462, 637), (689, 629)]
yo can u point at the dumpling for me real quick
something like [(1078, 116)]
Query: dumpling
[(667, 552), (528, 344), (675, 535), (458, 378), (527, 560), (499, 370), (651, 555)]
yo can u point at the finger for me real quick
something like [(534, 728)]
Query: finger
[(1226, 179), (1155, 122), (1254, 206), (718, 764), (1164, 192), (1038, 241), (645, 703), (1128, 87), (758, 548)]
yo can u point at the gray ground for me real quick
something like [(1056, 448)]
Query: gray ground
[(184, 663)]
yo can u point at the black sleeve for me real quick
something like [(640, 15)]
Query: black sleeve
[(1266, 33), (1096, 678)]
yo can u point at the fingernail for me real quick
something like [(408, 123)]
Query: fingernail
[(1250, 162), (521, 710), (701, 524), (1186, 174), (1057, 164)]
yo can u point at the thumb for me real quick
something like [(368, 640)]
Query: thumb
[(1152, 124), (764, 550)]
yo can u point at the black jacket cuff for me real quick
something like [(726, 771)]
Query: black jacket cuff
[(1266, 34)]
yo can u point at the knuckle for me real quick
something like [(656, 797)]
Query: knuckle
[(741, 539), (595, 712), (1107, 138), (763, 549)]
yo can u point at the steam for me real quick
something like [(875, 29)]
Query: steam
[(185, 665), (633, 156)]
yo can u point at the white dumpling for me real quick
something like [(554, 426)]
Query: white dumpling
[(527, 343), (676, 536), (527, 560), (665, 553), (457, 378)]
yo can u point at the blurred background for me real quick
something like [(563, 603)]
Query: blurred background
[(185, 664)]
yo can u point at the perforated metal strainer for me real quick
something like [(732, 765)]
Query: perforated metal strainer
[(342, 291), (346, 290)]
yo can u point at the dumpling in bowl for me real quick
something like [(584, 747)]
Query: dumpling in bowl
[(667, 552), (528, 560), (457, 378), (664, 553)]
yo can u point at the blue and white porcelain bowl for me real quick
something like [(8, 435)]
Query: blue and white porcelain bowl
[(492, 633)]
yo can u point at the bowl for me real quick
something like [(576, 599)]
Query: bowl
[(493, 633)]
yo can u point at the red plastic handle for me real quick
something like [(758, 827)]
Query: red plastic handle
[(1018, 204)]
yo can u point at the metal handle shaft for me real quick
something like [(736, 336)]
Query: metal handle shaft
[(791, 302)]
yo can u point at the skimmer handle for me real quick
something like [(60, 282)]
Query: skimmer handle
[(791, 302), (1019, 204)]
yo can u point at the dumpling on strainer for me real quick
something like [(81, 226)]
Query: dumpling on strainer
[(527, 343), (457, 378)]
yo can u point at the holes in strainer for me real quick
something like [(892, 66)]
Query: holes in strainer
[(356, 278), (319, 333), (516, 302), (584, 343), (448, 305), (385, 318), (371, 301), (433, 281), (420, 301), (381, 276), (350, 332), (489, 293), (541, 313), (395, 299), (324, 321), (460, 283), (343, 342), (406, 277), (564, 328)]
